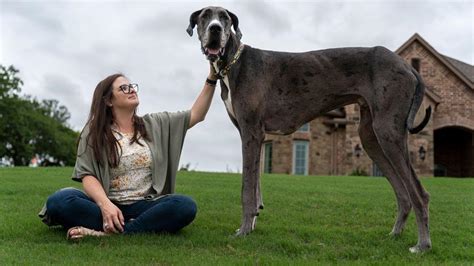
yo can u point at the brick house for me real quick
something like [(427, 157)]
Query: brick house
[(330, 145)]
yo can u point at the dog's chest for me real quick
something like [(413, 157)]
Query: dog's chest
[(227, 96), (228, 100)]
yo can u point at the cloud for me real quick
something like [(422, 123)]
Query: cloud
[(265, 17), (70, 95), (35, 14)]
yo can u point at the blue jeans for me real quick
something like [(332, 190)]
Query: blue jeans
[(71, 207)]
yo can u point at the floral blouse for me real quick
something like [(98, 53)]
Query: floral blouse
[(131, 179)]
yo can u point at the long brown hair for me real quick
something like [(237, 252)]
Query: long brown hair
[(100, 121)]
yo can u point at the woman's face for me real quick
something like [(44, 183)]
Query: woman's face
[(120, 99)]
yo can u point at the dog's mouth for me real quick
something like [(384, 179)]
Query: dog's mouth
[(213, 51)]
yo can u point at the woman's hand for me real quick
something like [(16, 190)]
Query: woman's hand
[(113, 220), (112, 217)]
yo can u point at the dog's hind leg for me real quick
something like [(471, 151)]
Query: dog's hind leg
[(375, 152), (252, 139), (393, 141)]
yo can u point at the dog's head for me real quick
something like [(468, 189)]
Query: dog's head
[(214, 29)]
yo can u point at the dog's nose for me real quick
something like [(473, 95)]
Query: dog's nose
[(215, 29)]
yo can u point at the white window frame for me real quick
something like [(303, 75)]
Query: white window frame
[(265, 156), (304, 130), (306, 166)]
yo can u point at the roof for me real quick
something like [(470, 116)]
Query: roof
[(466, 69), (462, 70)]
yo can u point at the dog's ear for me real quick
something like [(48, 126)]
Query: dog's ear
[(193, 21), (235, 23)]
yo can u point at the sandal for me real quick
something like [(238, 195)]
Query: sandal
[(82, 232)]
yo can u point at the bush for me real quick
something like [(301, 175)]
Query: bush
[(359, 172)]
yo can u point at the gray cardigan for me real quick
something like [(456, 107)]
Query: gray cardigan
[(166, 131)]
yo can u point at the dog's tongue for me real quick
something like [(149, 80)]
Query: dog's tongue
[(213, 51)]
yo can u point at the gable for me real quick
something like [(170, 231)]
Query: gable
[(461, 70)]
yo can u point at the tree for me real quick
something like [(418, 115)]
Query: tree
[(29, 127), (16, 130), (10, 85), (58, 112)]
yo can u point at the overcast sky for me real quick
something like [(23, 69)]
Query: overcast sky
[(64, 48)]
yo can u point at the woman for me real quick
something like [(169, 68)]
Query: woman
[(127, 165)]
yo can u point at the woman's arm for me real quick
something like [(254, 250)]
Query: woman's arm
[(203, 101), (111, 214)]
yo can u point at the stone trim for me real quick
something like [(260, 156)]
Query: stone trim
[(453, 121)]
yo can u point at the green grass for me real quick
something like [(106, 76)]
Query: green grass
[(307, 220)]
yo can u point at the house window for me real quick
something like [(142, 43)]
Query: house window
[(376, 170), (415, 63), (300, 157), (304, 128), (267, 158)]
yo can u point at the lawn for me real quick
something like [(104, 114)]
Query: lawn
[(307, 220)]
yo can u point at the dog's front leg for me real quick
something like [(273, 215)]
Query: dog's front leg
[(252, 139)]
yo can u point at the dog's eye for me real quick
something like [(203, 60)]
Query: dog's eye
[(222, 16), (206, 14)]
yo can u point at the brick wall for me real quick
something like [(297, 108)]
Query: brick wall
[(457, 99), (455, 108)]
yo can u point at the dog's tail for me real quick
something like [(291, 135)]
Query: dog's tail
[(415, 105)]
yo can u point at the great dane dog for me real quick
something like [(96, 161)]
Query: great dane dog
[(277, 92)]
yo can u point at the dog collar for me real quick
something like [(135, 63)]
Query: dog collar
[(223, 72)]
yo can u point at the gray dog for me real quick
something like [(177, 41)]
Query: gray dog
[(277, 92)]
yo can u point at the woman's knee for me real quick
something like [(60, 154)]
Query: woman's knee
[(186, 208), (60, 199)]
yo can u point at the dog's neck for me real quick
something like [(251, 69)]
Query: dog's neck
[(231, 48)]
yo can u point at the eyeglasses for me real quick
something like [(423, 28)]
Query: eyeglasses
[(128, 89)]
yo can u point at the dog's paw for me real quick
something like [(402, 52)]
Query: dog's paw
[(415, 249), (395, 235), (246, 228), (419, 249), (243, 231), (240, 232)]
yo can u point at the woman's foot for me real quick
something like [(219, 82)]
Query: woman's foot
[(78, 232)]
